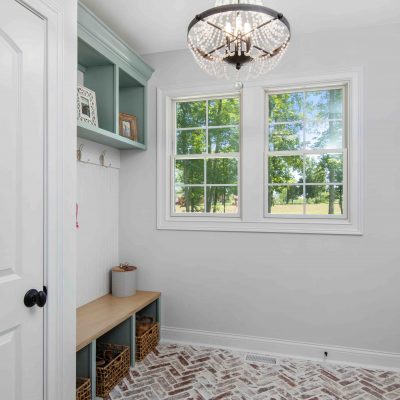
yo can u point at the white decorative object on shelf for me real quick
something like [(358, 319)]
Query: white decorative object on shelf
[(86, 106)]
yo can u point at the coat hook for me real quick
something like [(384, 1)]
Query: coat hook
[(79, 152), (102, 158)]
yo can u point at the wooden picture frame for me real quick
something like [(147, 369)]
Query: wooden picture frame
[(128, 126), (87, 106)]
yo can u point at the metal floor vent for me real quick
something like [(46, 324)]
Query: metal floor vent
[(259, 358)]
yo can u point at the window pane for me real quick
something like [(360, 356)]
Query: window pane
[(285, 169), (324, 104), (324, 134), (189, 199), (191, 142), (324, 200), (223, 112), (191, 114), (324, 168), (285, 200), (285, 136), (222, 171), (189, 172), (222, 199), (223, 140), (213, 127), (286, 107), (303, 123)]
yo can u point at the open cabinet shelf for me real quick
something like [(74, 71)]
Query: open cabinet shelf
[(96, 134), (119, 78)]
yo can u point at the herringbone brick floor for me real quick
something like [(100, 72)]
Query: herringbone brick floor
[(198, 373)]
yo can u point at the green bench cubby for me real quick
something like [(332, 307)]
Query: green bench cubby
[(110, 320)]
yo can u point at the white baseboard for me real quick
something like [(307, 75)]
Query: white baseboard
[(283, 348)]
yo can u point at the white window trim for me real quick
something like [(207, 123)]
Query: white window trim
[(252, 179)]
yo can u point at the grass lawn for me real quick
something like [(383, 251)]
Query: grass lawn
[(293, 209), (229, 209), (316, 209)]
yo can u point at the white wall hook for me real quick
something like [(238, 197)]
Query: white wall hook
[(79, 152), (102, 162), (102, 157)]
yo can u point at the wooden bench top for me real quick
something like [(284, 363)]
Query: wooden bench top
[(101, 315)]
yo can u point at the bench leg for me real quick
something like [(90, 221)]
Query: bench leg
[(158, 308), (92, 352), (133, 339)]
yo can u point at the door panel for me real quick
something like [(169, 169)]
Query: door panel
[(10, 67), (10, 342), (22, 143)]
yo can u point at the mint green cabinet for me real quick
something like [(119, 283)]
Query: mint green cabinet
[(118, 76)]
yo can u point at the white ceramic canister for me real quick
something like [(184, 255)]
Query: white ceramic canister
[(123, 280)]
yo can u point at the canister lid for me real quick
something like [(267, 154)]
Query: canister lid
[(124, 268)]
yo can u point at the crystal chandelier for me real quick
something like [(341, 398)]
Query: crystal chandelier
[(238, 35)]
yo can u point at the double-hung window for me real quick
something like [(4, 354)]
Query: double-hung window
[(284, 155), (306, 153), (206, 156)]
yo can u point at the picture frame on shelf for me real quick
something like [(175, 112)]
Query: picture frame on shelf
[(128, 126), (87, 106)]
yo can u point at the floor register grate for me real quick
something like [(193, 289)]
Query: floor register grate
[(260, 358)]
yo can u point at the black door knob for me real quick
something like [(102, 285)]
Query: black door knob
[(33, 297), (41, 300)]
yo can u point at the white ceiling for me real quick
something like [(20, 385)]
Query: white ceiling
[(152, 26)]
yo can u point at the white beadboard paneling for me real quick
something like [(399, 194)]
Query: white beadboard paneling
[(97, 235)]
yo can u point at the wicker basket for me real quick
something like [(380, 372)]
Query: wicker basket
[(108, 376), (83, 389), (147, 342)]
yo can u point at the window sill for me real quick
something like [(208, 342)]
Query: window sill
[(284, 225)]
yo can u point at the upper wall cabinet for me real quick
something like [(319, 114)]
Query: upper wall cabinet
[(119, 78)]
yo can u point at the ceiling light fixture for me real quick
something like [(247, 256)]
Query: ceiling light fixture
[(238, 35)]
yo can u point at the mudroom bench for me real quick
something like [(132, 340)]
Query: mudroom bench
[(110, 319)]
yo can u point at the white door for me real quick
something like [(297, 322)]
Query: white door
[(22, 144)]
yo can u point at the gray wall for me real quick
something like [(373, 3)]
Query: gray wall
[(332, 290)]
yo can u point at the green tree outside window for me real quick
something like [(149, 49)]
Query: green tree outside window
[(306, 155), (207, 146)]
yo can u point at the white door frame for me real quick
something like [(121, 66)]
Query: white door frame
[(60, 184)]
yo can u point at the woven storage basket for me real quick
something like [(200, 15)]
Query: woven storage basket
[(83, 389), (147, 342), (110, 375)]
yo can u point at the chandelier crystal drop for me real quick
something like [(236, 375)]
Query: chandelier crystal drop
[(238, 35)]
